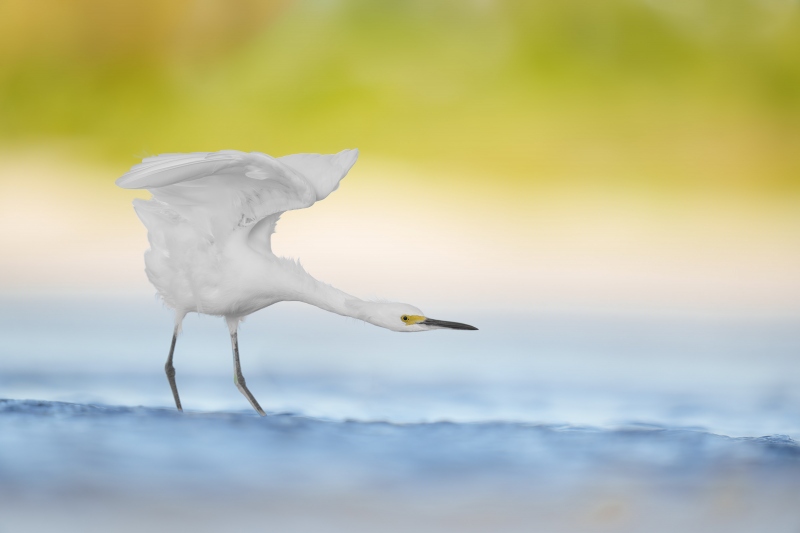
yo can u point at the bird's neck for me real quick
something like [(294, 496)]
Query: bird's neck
[(328, 298)]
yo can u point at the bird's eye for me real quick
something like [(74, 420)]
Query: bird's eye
[(405, 318)]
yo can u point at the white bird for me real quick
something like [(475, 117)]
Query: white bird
[(209, 224)]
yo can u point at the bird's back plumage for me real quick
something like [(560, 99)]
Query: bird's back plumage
[(204, 201)]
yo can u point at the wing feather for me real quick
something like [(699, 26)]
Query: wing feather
[(327, 170), (218, 192)]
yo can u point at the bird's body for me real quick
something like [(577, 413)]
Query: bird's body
[(210, 234), (210, 223)]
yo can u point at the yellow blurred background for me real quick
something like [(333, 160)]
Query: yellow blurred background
[(626, 155)]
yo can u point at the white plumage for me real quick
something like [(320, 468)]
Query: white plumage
[(209, 224)]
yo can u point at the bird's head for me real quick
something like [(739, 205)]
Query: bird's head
[(406, 318)]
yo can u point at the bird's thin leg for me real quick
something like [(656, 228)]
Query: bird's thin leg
[(238, 378), (171, 370)]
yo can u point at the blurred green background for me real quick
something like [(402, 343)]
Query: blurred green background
[(634, 152)]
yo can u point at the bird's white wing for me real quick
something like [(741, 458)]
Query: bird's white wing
[(218, 192)]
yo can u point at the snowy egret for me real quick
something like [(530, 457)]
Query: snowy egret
[(210, 223)]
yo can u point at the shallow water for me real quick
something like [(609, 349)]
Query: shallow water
[(535, 423), (139, 468)]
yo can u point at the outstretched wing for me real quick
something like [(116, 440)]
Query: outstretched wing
[(218, 192)]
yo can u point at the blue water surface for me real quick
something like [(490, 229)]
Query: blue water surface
[(537, 422)]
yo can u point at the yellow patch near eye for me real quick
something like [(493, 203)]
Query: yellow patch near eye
[(412, 319)]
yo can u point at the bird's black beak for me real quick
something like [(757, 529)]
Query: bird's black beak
[(446, 324)]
